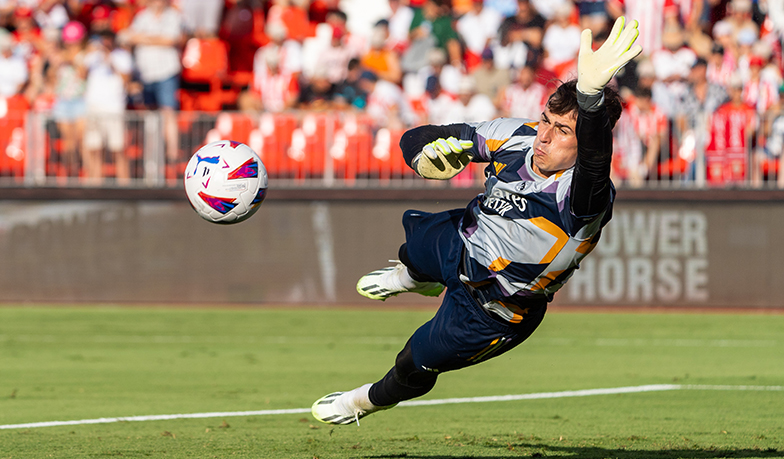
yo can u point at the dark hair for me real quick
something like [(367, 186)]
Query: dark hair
[(564, 101), (643, 92)]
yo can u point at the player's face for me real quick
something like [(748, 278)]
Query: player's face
[(555, 146)]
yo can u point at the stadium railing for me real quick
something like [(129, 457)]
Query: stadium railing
[(335, 150)]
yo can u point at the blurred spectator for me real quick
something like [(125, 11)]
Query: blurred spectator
[(739, 17), (156, 33), (721, 66), (349, 93), (731, 129), (69, 107), (509, 54), (51, 14), (439, 105), (672, 63), (109, 72), (288, 52), (547, 8), (201, 18), (387, 106), (431, 28), (380, 59), (448, 75), (505, 8), (355, 43), (745, 41), (697, 103), (318, 93), (26, 34), (652, 15), (293, 14), (489, 79), (593, 15), (561, 43), (477, 28), (691, 13), (399, 25), (471, 106), (774, 143), (243, 31), (101, 19), (525, 98), (13, 68), (650, 126), (41, 90), (275, 88), (333, 61), (758, 91), (527, 26)]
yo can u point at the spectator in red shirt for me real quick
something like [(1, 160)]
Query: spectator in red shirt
[(731, 130)]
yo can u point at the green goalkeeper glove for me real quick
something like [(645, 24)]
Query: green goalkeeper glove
[(443, 158), (596, 69)]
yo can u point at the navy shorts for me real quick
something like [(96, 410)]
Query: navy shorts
[(462, 333), (161, 94)]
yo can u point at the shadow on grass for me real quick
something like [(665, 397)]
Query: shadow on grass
[(584, 452)]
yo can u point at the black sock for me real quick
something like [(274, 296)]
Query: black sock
[(389, 390)]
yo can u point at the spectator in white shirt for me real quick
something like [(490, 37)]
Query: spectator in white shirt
[(477, 28), (13, 69), (109, 72), (561, 43), (156, 32)]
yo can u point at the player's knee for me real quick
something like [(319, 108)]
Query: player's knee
[(407, 374)]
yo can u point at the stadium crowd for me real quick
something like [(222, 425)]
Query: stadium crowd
[(704, 98)]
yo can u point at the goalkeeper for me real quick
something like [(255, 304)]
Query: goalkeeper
[(501, 259)]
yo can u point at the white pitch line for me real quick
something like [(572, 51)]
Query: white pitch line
[(444, 401)]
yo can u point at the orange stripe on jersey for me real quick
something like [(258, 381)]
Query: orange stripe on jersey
[(499, 264), (586, 247), (495, 144), (532, 124), (547, 280), (553, 230)]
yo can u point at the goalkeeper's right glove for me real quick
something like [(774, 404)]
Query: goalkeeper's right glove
[(443, 158)]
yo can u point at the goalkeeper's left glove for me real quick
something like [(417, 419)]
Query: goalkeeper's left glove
[(443, 158), (596, 69)]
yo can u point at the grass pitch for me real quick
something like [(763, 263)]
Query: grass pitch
[(59, 364)]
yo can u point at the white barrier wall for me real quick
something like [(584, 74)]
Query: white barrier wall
[(663, 253)]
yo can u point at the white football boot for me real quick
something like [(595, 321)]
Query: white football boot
[(386, 282), (345, 407)]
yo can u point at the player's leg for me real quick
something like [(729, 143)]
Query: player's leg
[(431, 239), (461, 334)]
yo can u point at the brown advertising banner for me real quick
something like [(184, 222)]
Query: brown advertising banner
[(662, 253)]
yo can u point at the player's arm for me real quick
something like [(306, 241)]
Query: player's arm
[(439, 152), (591, 187)]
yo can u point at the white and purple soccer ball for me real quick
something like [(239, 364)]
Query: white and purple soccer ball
[(225, 182)]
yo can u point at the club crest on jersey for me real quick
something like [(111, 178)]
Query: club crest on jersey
[(248, 169), (222, 205)]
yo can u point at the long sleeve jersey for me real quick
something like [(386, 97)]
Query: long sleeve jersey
[(526, 234)]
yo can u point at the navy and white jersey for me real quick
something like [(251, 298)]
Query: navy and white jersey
[(522, 240)]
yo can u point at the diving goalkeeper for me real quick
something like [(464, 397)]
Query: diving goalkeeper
[(501, 259)]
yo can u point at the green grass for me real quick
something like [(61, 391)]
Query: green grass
[(84, 363)]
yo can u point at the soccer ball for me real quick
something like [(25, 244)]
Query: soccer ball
[(225, 182)]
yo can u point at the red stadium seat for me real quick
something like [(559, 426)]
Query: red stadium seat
[(12, 136), (204, 62)]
